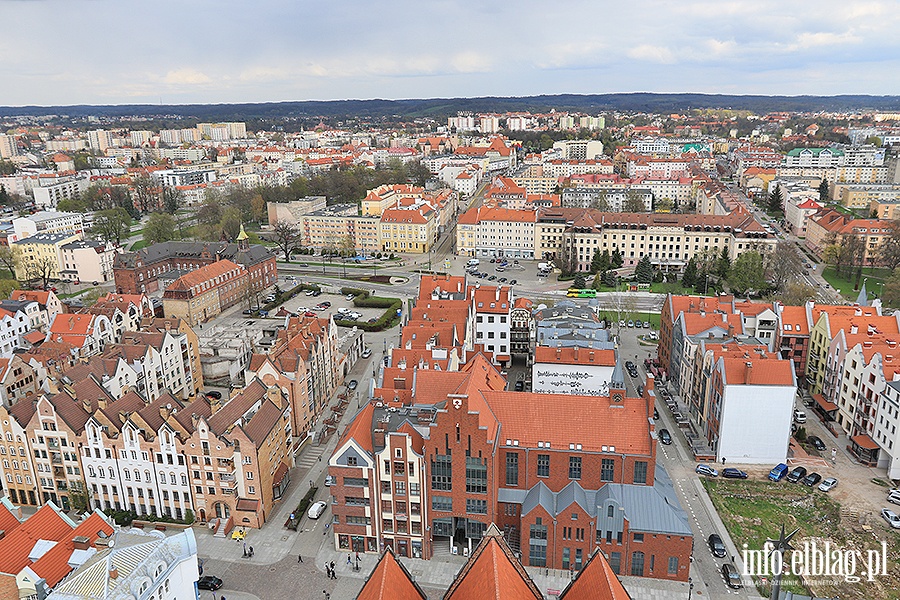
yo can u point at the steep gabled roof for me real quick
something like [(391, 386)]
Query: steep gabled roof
[(390, 580), (493, 572), (596, 581)]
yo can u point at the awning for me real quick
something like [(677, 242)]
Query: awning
[(280, 473), (823, 403), (864, 442), (503, 357), (247, 505)]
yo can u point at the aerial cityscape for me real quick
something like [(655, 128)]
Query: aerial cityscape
[(513, 305)]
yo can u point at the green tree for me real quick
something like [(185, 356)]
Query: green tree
[(600, 261), (643, 271), (71, 205), (230, 225), (160, 227), (796, 293), (889, 251), (111, 225), (418, 173), (579, 281), (723, 265), (690, 274), (597, 284), (783, 265), (146, 192), (616, 260), (776, 200), (610, 279), (7, 167), (210, 212), (823, 191), (747, 273), (10, 259), (601, 202)]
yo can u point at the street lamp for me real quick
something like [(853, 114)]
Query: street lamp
[(690, 588)]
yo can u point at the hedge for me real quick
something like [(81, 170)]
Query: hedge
[(282, 297), (126, 517), (301, 508)]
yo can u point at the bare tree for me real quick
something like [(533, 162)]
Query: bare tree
[(146, 192), (41, 269), (287, 236), (9, 258), (783, 265), (889, 252)]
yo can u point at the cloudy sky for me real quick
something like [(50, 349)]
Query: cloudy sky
[(56, 52)]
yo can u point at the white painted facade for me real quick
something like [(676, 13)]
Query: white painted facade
[(755, 423)]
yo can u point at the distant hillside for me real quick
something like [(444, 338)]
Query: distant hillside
[(442, 107)]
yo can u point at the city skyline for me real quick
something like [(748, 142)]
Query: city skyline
[(91, 52)]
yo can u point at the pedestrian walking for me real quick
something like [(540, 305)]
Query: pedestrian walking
[(357, 557), (349, 562), (327, 571), (299, 558), (723, 461), (332, 565)]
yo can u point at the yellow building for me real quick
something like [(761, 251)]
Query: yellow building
[(408, 231), (38, 256), (863, 196)]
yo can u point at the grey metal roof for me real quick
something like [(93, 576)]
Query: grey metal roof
[(617, 379), (653, 509), (511, 496), (574, 493), (539, 494), (160, 252)]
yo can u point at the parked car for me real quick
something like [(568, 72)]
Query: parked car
[(828, 484), (520, 386), (894, 497), (317, 293), (799, 416), (513, 282), (492, 278), (655, 414), (208, 582), (716, 545), (665, 437), (778, 472), (351, 296), (630, 323), (366, 353), (325, 303), (732, 473), (246, 311), (264, 313), (270, 298), (214, 394), (622, 323), (315, 511), (629, 365), (816, 443), (310, 313), (638, 324), (501, 280), (891, 517), (797, 474), (812, 479), (329, 481), (706, 470), (732, 577), (310, 292), (352, 385), (646, 324)]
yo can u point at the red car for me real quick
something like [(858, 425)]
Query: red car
[(310, 313)]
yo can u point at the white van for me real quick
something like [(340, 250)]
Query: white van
[(799, 416), (473, 262)]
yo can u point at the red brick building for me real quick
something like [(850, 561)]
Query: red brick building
[(427, 474), (139, 272)]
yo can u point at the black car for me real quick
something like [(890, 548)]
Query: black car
[(492, 277), (208, 582), (665, 437), (501, 280), (716, 545), (629, 365), (520, 386), (352, 385), (513, 282), (214, 394), (493, 260), (816, 443), (812, 479), (732, 577), (317, 293), (655, 414), (732, 473), (797, 474)]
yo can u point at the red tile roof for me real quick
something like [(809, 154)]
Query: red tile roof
[(493, 572), (574, 356), (596, 581), (45, 524), (757, 371), (390, 580)]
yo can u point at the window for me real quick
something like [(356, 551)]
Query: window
[(512, 468), (476, 475), (639, 537), (413, 489), (640, 471), (606, 469), (543, 465), (537, 544), (441, 472), (637, 564), (476, 507), (673, 565), (578, 559), (351, 461), (444, 503), (615, 562), (251, 489), (574, 467), (400, 488), (565, 557)]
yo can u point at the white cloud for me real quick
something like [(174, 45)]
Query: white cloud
[(656, 54), (186, 77)]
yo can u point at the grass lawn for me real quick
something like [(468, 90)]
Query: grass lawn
[(673, 288), (875, 276), (138, 245), (754, 510)]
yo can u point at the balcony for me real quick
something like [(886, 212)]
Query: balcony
[(52, 444), (56, 459), (226, 476)]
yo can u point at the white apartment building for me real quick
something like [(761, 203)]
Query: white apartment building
[(885, 434), (47, 221), (50, 192), (13, 325), (87, 261), (148, 565), (490, 232), (651, 145), (8, 146), (100, 139), (579, 149), (491, 307)]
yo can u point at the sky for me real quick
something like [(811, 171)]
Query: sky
[(61, 52)]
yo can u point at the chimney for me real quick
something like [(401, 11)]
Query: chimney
[(214, 405), (576, 353), (399, 383), (854, 329), (164, 411), (114, 573), (80, 542), (497, 294), (749, 366), (86, 404), (378, 438), (195, 418), (730, 330), (591, 355), (101, 403)]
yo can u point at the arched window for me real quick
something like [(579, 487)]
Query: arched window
[(147, 475), (112, 474)]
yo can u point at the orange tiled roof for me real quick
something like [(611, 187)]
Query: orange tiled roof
[(493, 572), (45, 524), (390, 580), (204, 274), (574, 356), (757, 371), (596, 581)]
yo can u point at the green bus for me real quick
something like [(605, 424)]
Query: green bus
[(581, 293)]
